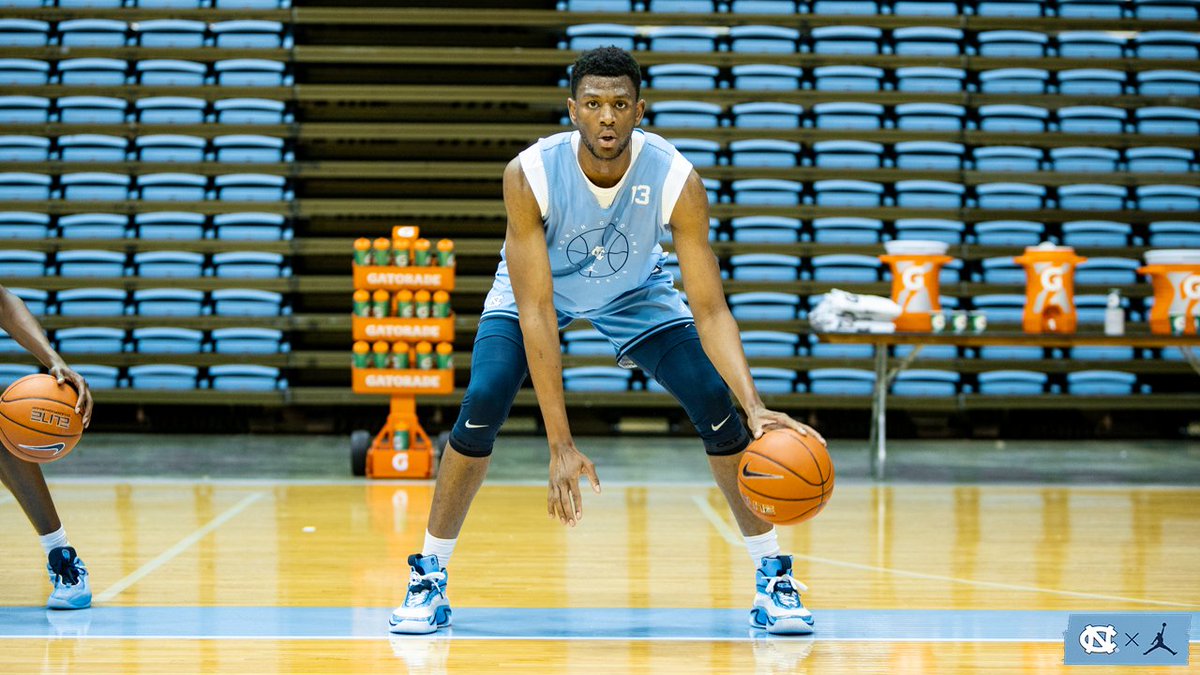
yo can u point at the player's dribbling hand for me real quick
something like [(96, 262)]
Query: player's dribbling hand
[(83, 405), (765, 420), (567, 464)]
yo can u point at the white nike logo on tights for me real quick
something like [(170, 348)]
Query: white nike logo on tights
[(717, 427), (474, 426)]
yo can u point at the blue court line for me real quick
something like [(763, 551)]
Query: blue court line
[(366, 623)]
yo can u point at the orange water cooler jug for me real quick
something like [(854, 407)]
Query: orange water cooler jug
[(916, 265), (1175, 276), (1049, 288)]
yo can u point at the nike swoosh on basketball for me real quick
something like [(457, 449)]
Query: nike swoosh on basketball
[(474, 426), (746, 472), (717, 427), (55, 447)]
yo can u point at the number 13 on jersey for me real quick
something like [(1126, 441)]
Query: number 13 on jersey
[(641, 194)]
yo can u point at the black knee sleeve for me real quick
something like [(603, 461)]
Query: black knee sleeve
[(497, 370)]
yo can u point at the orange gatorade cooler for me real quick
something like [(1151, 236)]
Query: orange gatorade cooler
[(1049, 288), (1175, 276), (915, 267)]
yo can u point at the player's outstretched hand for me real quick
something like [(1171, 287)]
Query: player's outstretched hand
[(563, 500), (83, 406), (764, 420)]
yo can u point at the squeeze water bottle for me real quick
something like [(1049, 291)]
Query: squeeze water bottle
[(1114, 314)]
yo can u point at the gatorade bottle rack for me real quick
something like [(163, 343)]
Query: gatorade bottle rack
[(379, 456)]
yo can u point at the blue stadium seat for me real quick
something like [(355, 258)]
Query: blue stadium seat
[(764, 152), (593, 35), (1001, 270), (765, 267), (1013, 118), (1101, 383), (91, 302), (1157, 159), (683, 76), (251, 73), (859, 40), (1009, 233), (1013, 43), (687, 6), (251, 226), (24, 225), (683, 38), (847, 230), (24, 72), (1086, 44), (169, 302), (248, 302), (766, 229), (1168, 83), (253, 341), (1107, 272), (1004, 308), (1091, 82), (88, 263), (106, 4), (765, 306), (171, 73), (1092, 119), (178, 225), (930, 79), (90, 340), (24, 110), (595, 6), (766, 76), (96, 33), (1085, 160), (846, 267), (93, 226), (170, 148), (769, 343), (93, 72), (1012, 383), (243, 377), (926, 382), (1010, 196), (11, 372), (92, 148), (251, 111), (763, 39), (763, 7), (929, 155), (1014, 81), (20, 185), (1167, 44), (773, 380), (1017, 8), (174, 187), (163, 340), (1085, 233), (930, 117), (96, 186), (841, 381), (98, 377), (848, 115), (596, 378), (930, 229), (180, 33), (163, 377), (251, 149), (684, 114), (767, 192), (1167, 120), (250, 264), (847, 155), (1007, 158), (23, 33), (1168, 198), (170, 110), (34, 299), (1090, 9), (847, 78), (1175, 233), (29, 4), (91, 110), (929, 194), (251, 187), (766, 115), (586, 342), (22, 263), (826, 350), (1186, 10), (251, 4), (848, 193), (251, 34), (168, 264), (927, 41), (700, 152), (1091, 197), (24, 149)]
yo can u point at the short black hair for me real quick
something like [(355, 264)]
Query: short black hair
[(607, 62)]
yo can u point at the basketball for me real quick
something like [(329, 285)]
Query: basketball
[(38, 422), (786, 478)]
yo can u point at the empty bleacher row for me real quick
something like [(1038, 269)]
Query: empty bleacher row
[(109, 33), (1107, 9), (108, 72), (148, 4)]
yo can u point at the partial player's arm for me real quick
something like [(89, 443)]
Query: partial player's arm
[(533, 289), (17, 321), (717, 328)]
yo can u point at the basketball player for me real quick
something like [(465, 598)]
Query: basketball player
[(586, 210), (24, 479)]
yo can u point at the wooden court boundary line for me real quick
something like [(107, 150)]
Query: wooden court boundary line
[(181, 546), (735, 540)]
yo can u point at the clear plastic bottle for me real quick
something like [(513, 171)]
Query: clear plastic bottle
[(1114, 314)]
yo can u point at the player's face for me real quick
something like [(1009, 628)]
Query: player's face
[(605, 109)]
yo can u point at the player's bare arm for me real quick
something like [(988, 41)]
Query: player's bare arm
[(715, 324), (17, 321), (533, 289)]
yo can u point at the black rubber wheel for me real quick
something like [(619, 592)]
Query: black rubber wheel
[(360, 443)]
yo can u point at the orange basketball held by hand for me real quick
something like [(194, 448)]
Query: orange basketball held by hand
[(38, 422), (786, 478)]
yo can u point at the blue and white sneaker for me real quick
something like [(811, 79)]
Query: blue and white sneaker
[(69, 576), (425, 607), (777, 607)]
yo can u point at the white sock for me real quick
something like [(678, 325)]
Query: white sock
[(442, 548), (54, 540), (763, 545)]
